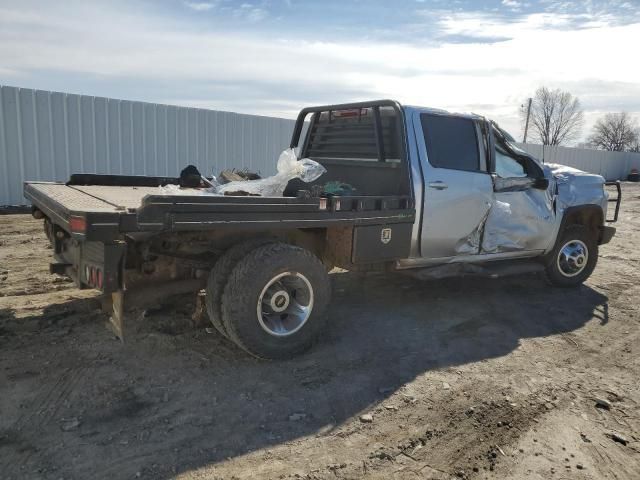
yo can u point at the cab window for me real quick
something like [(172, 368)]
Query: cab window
[(451, 142)]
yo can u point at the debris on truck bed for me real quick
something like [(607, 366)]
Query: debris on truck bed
[(190, 177), (338, 188), (234, 175), (246, 183), (289, 167)]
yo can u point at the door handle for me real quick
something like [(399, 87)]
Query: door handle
[(439, 185)]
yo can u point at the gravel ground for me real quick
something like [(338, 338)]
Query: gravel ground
[(462, 378)]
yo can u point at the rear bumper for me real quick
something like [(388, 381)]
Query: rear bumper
[(606, 234)]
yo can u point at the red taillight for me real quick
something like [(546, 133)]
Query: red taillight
[(77, 224), (92, 276), (99, 278)]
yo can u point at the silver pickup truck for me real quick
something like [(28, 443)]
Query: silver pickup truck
[(406, 189)]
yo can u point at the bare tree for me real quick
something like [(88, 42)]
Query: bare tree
[(556, 116), (616, 132)]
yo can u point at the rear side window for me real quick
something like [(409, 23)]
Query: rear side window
[(451, 142)]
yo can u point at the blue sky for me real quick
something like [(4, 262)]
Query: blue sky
[(271, 57)]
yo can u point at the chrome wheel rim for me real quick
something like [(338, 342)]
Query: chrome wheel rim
[(285, 304), (572, 258)]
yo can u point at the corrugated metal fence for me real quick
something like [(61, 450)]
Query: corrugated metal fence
[(611, 165), (49, 135)]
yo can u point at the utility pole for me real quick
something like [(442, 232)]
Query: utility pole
[(526, 123)]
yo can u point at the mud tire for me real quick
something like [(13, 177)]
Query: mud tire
[(219, 276), (242, 292)]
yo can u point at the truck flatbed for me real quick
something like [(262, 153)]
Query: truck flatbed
[(105, 211)]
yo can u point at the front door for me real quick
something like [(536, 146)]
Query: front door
[(523, 217), (458, 188)]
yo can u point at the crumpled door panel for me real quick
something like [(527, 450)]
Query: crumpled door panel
[(527, 218), (518, 221)]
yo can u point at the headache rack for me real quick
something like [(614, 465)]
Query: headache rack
[(360, 144), (358, 131)]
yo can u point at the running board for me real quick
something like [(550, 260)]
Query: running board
[(495, 269)]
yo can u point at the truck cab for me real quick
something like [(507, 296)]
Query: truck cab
[(478, 197)]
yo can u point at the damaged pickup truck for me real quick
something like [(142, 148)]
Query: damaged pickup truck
[(401, 189)]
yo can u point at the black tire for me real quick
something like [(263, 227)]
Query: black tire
[(554, 272), (220, 274), (243, 290)]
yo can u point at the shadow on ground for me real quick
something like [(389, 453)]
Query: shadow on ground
[(165, 403)]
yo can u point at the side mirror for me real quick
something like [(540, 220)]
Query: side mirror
[(541, 183), (518, 184)]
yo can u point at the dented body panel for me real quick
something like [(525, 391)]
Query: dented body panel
[(478, 216)]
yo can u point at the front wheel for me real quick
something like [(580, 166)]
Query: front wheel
[(275, 300), (574, 257)]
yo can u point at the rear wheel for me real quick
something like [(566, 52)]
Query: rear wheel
[(574, 257), (220, 274), (275, 301)]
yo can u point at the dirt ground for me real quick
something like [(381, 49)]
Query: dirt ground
[(463, 378)]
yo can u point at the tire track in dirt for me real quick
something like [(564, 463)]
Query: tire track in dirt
[(42, 413)]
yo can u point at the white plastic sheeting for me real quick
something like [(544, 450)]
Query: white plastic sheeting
[(289, 167)]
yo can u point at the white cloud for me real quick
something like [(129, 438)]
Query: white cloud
[(512, 4), (261, 73), (251, 12), (200, 6)]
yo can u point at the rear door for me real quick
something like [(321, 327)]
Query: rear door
[(458, 189)]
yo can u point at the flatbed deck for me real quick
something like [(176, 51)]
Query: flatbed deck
[(93, 198), (109, 211)]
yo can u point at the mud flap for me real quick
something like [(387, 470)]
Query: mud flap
[(121, 305), (114, 306), (200, 317)]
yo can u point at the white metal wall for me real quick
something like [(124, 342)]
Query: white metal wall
[(611, 165), (49, 135)]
